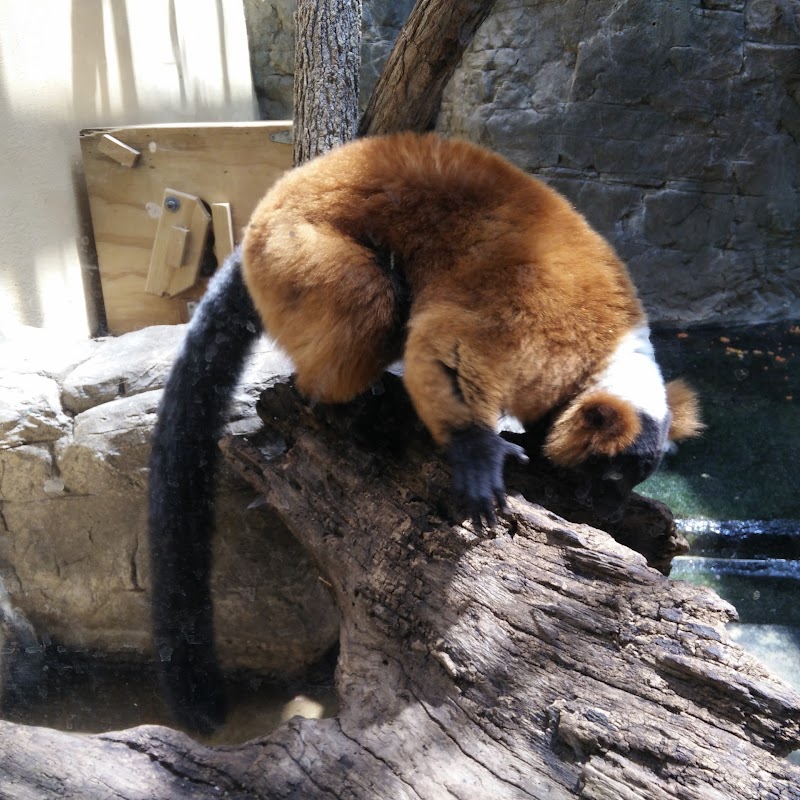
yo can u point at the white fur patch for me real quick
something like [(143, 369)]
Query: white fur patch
[(633, 375), (508, 422)]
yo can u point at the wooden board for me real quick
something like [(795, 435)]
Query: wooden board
[(220, 163)]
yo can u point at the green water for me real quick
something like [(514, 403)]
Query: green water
[(745, 466)]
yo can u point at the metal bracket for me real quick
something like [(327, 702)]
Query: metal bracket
[(282, 137)]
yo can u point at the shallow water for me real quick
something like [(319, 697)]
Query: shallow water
[(85, 694), (764, 588)]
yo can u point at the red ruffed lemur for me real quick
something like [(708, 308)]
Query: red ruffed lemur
[(494, 290)]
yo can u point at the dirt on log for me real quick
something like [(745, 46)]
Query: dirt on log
[(543, 659)]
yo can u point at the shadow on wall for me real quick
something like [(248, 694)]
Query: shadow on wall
[(95, 63)]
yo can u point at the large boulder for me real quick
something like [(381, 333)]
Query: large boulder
[(75, 424)]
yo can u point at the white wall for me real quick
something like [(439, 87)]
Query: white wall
[(72, 64)]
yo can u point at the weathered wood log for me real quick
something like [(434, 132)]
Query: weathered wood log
[(541, 659), (648, 526)]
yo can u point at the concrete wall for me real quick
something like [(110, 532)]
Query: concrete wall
[(71, 64)]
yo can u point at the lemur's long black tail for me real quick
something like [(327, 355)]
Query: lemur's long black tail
[(182, 468)]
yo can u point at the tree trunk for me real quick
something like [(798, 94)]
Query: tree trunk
[(427, 51), (327, 63), (542, 659)]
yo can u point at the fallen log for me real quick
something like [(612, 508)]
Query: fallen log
[(541, 659)]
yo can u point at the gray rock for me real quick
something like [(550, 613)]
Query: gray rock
[(28, 475), (127, 365), (673, 127), (45, 352), (270, 30), (140, 362), (107, 452), (73, 527), (30, 410)]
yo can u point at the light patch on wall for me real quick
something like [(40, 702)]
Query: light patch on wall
[(187, 58), (204, 50), (33, 77), (9, 306), (60, 285)]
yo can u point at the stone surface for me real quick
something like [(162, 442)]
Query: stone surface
[(75, 424), (270, 31), (673, 126), (30, 410), (127, 365)]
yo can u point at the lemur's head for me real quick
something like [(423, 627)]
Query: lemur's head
[(614, 433)]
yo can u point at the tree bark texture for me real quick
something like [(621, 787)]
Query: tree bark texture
[(327, 63), (541, 659), (425, 55)]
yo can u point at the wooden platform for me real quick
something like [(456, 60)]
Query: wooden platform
[(128, 171)]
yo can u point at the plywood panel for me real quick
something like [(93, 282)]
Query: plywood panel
[(222, 163)]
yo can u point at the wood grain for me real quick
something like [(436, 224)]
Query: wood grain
[(220, 163), (119, 151)]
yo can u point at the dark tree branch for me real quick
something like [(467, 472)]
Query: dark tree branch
[(427, 51)]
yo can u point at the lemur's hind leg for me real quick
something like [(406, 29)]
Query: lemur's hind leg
[(333, 304), (459, 397)]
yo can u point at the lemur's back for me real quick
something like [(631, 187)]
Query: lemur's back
[(459, 228)]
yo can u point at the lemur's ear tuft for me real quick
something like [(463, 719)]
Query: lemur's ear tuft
[(685, 409), (598, 423)]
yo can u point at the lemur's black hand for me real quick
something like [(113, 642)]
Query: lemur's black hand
[(477, 455)]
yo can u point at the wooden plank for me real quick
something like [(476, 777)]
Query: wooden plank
[(179, 244), (188, 272), (222, 222), (119, 151), (220, 163), (176, 247)]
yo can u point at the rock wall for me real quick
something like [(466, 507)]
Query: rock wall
[(673, 126), (75, 423)]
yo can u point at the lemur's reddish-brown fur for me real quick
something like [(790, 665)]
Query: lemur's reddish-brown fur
[(511, 289), (600, 423), (685, 408)]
